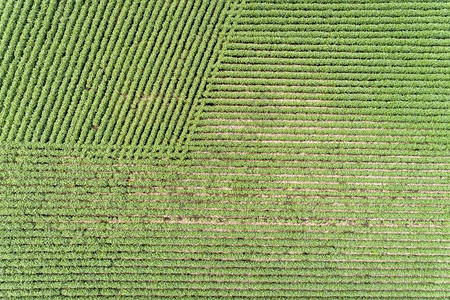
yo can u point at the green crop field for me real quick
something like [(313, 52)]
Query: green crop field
[(224, 149)]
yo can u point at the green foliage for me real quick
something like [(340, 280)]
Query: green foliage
[(257, 149)]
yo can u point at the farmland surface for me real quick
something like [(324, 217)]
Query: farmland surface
[(226, 149)]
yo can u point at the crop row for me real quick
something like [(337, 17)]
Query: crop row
[(313, 214), (299, 167), (325, 82), (325, 116), (340, 5), (205, 159), (349, 68), (371, 238), (338, 48), (158, 204), (361, 125)]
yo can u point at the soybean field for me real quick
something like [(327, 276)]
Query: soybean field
[(224, 149)]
